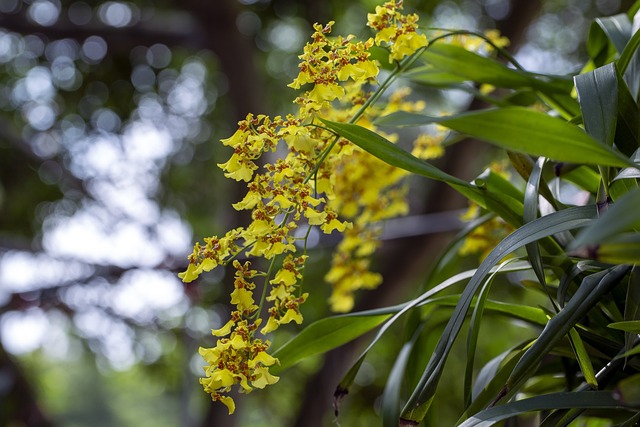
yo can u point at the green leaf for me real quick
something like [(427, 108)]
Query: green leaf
[(498, 184), (628, 53), (567, 219), (533, 315), (492, 377), (633, 9), (385, 150), (598, 98), (400, 310), (628, 391), (432, 76), (621, 249), (457, 61), (531, 213), (583, 176), (393, 386), (628, 326), (524, 165), (584, 399), (584, 361), (628, 122), (593, 287), (404, 118), (632, 305), (527, 131), (324, 335), (617, 28), (474, 332), (599, 48), (392, 154), (623, 215)]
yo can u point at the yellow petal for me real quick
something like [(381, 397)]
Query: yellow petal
[(272, 325), (242, 298), (291, 315), (224, 331), (189, 275), (285, 276), (334, 224), (234, 140), (229, 403), (224, 376), (238, 342), (314, 217), (264, 358), (263, 378)]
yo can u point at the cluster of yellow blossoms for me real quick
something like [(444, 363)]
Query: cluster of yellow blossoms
[(396, 30), (318, 180)]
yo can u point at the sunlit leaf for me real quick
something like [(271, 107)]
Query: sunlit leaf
[(584, 361), (324, 335), (527, 131), (523, 130), (385, 150), (457, 61), (628, 326)]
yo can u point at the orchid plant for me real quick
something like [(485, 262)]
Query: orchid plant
[(340, 166)]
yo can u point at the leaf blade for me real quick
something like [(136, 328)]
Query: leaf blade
[(527, 131)]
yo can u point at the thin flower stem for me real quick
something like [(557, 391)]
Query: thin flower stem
[(402, 65), (263, 297)]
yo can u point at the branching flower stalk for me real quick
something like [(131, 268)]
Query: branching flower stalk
[(320, 180)]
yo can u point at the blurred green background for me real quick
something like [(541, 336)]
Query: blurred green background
[(110, 113)]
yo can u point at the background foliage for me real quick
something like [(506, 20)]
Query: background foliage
[(109, 116)]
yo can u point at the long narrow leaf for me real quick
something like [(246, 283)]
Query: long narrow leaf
[(391, 394), (527, 131), (568, 219), (584, 361), (324, 335), (584, 399), (628, 53), (474, 333), (526, 313), (489, 383), (598, 98), (385, 150), (588, 294), (627, 326), (628, 123), (623, 215), (457, 61), (423, 299), (531, 213), (617, 28), (632, 305)]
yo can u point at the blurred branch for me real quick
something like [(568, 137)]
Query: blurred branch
[(8, 135), (176, 33)]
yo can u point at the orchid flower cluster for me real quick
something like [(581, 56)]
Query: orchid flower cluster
[(318, 180)]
